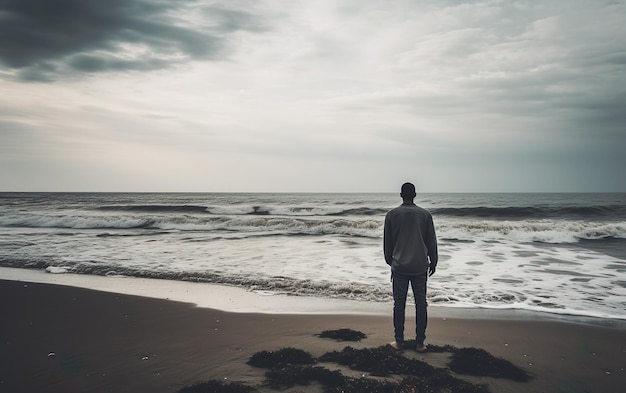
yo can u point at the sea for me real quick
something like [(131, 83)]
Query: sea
[(553, 253)]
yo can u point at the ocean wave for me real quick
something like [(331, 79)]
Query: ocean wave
[(279, 285), (616, 212), (380, 293), (244, 209), (360, 211), (79, 222), (296, 211), (611, 212), (543, 231), (155, 208)]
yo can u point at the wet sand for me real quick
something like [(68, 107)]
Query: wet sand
[(59, 338)]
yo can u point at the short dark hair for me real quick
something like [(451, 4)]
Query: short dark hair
[(407, 191)]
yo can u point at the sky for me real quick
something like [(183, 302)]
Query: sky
[(313, 96)]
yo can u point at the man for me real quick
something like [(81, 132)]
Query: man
[(410, 247)]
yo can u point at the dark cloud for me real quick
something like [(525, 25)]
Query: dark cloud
[(93, 63), (45, 39)]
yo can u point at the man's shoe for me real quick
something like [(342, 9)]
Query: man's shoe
[(397, 346)]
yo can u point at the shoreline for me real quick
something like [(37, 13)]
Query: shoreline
[(240, 300), (59, 338)]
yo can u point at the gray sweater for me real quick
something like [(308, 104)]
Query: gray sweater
[(409, 239)]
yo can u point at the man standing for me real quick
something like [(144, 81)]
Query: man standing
[(410, 247)]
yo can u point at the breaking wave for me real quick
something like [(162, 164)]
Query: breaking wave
[(243, 209), (547, 231), (616, 212), (543, 231), (155, 208)]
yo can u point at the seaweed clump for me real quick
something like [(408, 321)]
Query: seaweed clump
[(291, 366), (381, 361), (384, 361), (290, 375), (215, 386), (441, 348), (475, 361), (406, 385), (284, 356), (369, 385), (343, 335), (288, 367)]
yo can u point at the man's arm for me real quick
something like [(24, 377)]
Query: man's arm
[(431, 245), (388, 241)]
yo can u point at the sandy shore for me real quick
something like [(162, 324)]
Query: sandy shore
[(58, 338)]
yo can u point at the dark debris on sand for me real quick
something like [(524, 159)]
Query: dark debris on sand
[(284, 356), (441, 348), (214, 386), (289, 367), (369, 385), (290, 375), (382, 361), (475, 361), (406, 385), (343, 335)]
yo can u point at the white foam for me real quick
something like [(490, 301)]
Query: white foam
[(219, 297), (560, 281), (546, 231), (56, 270)]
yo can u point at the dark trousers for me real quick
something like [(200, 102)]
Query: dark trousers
[(400, 284)]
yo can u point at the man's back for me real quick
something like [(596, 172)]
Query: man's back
[(409, 239)]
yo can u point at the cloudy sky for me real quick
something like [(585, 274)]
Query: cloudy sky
[(312, 96)]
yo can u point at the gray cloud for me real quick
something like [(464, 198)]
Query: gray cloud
[(45, 39), (481, 95)]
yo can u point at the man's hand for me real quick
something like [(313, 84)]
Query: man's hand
[(431, 269)]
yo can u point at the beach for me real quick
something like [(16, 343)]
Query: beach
[(59, 338), (159, 292)]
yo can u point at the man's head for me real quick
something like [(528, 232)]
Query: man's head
[(407, 192)]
